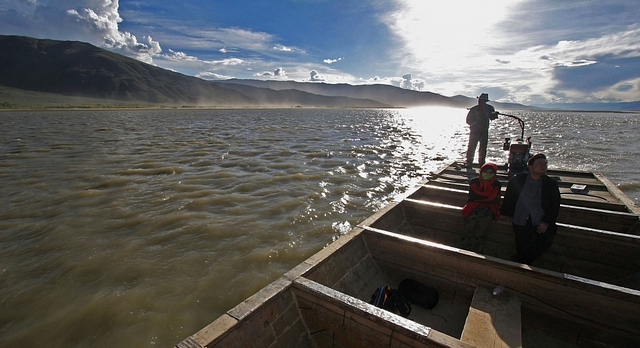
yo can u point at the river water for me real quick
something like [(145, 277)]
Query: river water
[(136, 228)]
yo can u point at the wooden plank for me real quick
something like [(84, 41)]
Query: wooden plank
[(493, 321)]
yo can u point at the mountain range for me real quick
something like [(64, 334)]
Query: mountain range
[(78, 69)]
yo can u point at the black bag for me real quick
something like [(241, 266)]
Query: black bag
[(400, 303), (379, 297), (391, 300), (419, 294)]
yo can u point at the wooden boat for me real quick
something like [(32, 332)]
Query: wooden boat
[(598, 226), (567, 298)]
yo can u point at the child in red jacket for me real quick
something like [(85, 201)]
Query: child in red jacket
[(482, 207)]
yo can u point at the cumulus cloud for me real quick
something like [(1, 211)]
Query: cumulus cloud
[(408, 82), (315, 76), (277, 73), (101, 18), (93, 21)]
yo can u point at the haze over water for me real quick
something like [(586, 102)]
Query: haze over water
[(138, 228)]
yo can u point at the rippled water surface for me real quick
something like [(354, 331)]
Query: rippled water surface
[(138, 228)]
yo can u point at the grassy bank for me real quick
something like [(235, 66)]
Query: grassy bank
[(13, 98)]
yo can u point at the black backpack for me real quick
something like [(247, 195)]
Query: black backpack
[(419, 294), (391, 300)]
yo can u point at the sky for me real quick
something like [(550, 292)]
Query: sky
[(521, 51)]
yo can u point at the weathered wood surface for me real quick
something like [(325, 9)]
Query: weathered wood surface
[(493, 321)]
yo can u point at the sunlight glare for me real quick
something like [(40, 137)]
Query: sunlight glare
[(443, 130), (440, 34)]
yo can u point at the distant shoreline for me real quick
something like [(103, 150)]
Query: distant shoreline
[(209, 107), (253, 107)]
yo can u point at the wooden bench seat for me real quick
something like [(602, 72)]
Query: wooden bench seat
[(493, 321)]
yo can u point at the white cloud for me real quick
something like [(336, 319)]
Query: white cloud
[(93, 21), (408, 82), (623, 90), (277, 73), (282, 49), (100, 18), (315, 76), (210, 75), (331, 61), (179, 56), (228, 62), (454, 53)]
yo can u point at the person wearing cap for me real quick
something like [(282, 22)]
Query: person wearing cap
[(481, 209), (478, 119), (532, 200)]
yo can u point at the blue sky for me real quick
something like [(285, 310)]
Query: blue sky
[(529, 52)]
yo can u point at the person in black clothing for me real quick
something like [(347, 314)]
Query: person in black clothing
[(532, 200), (478, 119)]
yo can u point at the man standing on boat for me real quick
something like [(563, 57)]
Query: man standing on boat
[(478, 120), (532, 200)]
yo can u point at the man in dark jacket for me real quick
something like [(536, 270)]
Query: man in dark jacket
[(478, 119), (532, 200)]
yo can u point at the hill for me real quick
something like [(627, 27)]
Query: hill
[(386, 94), (71, 68), (81, 70)]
